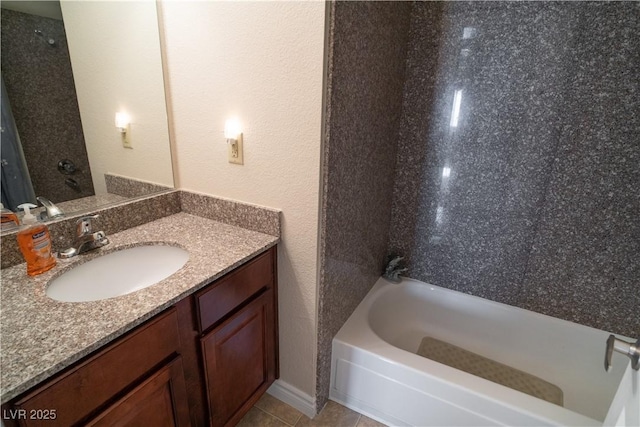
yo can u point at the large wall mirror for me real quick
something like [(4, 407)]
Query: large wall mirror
[(67, 68)]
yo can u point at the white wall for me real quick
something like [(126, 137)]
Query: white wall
[(261, 61), (46, 8), (117, 66)]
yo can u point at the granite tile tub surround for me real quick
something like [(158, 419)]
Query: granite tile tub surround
[(42, 93), (518, 162), (366, 48)]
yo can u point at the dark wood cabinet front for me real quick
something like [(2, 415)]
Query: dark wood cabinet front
[(160, 401), (238, 360)]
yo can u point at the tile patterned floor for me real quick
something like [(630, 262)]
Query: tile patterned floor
[(271, 412)]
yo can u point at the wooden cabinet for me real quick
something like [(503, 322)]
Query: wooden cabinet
[(82, 390), (159, 401), (233, 290), (205, 361), (239, 360), (238, 340)]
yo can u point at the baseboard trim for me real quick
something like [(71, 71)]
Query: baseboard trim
[(294, 397)]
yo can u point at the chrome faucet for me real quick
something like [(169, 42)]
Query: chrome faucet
[(86, 239), (52, 211), (627, 348)]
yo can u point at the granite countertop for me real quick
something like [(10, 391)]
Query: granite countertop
[(41, 336)]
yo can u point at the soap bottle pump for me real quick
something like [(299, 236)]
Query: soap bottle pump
[(9, 219), (34, 241)]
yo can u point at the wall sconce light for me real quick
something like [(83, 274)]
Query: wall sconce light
[(233, 134), (123, 124)]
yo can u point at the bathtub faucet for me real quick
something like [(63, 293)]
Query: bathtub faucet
[(627, 348), (393, 270)]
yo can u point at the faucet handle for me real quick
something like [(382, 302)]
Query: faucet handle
[(627, 348), (83, 224)]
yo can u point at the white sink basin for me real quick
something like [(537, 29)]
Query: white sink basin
[(117, 273)]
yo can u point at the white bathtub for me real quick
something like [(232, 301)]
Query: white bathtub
[(374, 369)]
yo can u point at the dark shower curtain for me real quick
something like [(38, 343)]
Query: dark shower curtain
[(15, 180)]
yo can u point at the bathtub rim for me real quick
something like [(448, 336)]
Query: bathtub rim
[(358, 335)]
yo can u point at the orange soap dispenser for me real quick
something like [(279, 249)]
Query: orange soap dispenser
[(35, 243)]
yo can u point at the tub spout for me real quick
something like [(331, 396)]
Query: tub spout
[(393, 270)]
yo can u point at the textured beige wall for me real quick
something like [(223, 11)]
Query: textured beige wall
[(262, 62), (117, 66)]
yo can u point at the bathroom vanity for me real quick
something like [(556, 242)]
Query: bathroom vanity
[(198, 348)]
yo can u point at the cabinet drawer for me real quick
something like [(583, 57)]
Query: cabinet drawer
[(233, 289), (77, 393)]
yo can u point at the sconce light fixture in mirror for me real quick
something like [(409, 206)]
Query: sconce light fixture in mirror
[(123, 124)]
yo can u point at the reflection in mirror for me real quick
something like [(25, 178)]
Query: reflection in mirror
[(62, 84)]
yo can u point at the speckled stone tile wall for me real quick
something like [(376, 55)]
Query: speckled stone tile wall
[(41, 89), (367, 47), (584, 262), (518, 167), (131, 187)]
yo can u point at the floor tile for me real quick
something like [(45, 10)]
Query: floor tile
[(258, 418), (365, 421), (333, 415), (279, 409)]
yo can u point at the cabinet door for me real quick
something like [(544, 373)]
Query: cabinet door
[(158, 401), (239, 360)]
